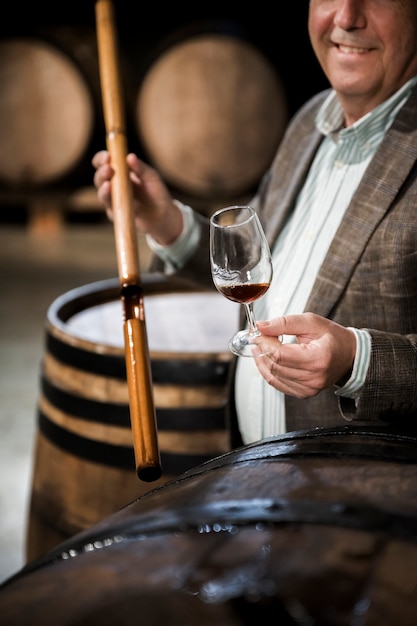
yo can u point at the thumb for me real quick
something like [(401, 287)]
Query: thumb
[(285, 325), (274, 327)]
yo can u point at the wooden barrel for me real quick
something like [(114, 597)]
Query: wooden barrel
[(312, 527), (210, 113), (47, 113), (84, 465)]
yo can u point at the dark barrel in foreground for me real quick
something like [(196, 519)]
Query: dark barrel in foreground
[(314, 527)]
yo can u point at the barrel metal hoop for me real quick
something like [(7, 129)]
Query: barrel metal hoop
[(228, 516), (355, 443)]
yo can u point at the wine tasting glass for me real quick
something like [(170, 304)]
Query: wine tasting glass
[(241, 265)]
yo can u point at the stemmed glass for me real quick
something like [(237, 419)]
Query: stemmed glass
[(241, 265)]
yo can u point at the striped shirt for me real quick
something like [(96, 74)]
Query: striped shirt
[(298, 253)]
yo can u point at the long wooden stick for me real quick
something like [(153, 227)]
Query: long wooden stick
[(138, 369)]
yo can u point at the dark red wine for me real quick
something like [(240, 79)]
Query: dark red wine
[(246, 292)]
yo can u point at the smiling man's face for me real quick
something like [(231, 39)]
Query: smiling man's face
[(367, 48)]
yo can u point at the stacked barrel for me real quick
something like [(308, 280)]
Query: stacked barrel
[(205, 105)]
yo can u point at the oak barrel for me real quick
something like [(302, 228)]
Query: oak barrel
[(84, 466), (210, 113), (311, 527), (47, 113)]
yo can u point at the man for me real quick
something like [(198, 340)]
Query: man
[(339, 207)]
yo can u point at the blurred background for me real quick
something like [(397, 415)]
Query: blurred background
[(208, 92)]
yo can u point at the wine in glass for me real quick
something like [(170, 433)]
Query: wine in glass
[(241, 265)]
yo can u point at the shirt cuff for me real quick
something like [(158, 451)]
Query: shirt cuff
[(177, 254), (352, 388)]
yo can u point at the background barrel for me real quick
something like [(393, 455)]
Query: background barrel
[(47, 109), (243, 48), (84, 466), (50, 123), (312, 527), (210, 112)]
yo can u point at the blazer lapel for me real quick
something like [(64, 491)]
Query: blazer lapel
[(376, 193)]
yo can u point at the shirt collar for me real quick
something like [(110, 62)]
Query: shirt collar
[(329, 119)]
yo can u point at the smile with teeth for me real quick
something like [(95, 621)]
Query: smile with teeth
[(352, 49)]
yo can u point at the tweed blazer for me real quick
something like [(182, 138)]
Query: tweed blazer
[(368, 278)]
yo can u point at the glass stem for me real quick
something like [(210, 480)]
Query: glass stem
[(253, 329)]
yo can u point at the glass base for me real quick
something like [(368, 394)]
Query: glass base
[(241, 343)]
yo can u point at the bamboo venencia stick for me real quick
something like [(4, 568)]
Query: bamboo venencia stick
[(138, 368)]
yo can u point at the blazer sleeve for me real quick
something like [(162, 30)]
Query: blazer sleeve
[(390, 389)]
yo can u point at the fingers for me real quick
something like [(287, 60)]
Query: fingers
[(321, 353), (102, 178), (104, 171), (100, 158), (285, 373), (101, 161), (133, 162)]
